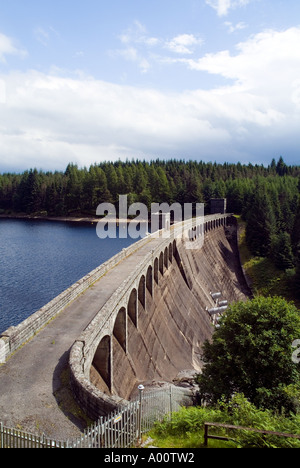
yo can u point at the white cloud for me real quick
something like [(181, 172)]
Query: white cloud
[(265, 62), (7, 47), (138, 46), (137, 34), (184, 44), (235, 27), (41, 36), (44, 35), (48, 120), (222, 7), (2, 92), (136, 43), (53, 120), (132, 54)]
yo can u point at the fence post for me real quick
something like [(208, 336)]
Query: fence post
[(141, 388), (2, 438), (205, 435)]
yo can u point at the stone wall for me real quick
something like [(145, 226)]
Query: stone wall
[(178, 303)]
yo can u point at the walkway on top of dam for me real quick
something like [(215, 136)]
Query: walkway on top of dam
[(34, 382), (33, 394)]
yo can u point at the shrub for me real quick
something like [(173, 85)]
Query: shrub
[(237, 411), (251, 354)]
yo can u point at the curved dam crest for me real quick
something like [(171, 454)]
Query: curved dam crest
[(139, 318), (155, 326)]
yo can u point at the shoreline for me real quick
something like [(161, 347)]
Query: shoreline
[(70, 219)]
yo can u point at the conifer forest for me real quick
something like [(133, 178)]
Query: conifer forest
[(266, 197)]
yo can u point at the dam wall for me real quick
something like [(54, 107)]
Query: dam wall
[(154, 325)]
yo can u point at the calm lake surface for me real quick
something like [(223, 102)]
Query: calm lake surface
[(40, 259)]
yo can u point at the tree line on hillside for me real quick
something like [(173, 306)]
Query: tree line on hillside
[(80, 190), (267, 198)]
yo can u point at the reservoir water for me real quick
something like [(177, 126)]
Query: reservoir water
[(40, 259)]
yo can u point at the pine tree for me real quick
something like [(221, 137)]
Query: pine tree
[(281, 167), (261, 223), (29, 195), (74, 188), (140, 179), (297, 277), (112, 182), (282, 252), (296, 230), (164, 193)]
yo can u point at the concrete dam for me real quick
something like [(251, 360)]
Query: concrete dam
[(154, 328), (140, 318)]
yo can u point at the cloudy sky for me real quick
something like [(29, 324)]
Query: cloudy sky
[(87, 81)]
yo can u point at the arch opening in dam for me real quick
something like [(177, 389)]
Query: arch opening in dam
[(120, 328), (154, 327), (132, 307), (102, 361), (149, 280)]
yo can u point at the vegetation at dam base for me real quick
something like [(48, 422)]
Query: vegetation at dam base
[(186, 428), (249, 379), (251, 353), (264, 276)]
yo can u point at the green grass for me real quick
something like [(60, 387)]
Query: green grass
[(264, 278), (185, 429), (189, 440)]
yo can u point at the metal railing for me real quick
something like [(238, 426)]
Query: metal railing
[(121, 429), (124, 427), (15, 438)]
